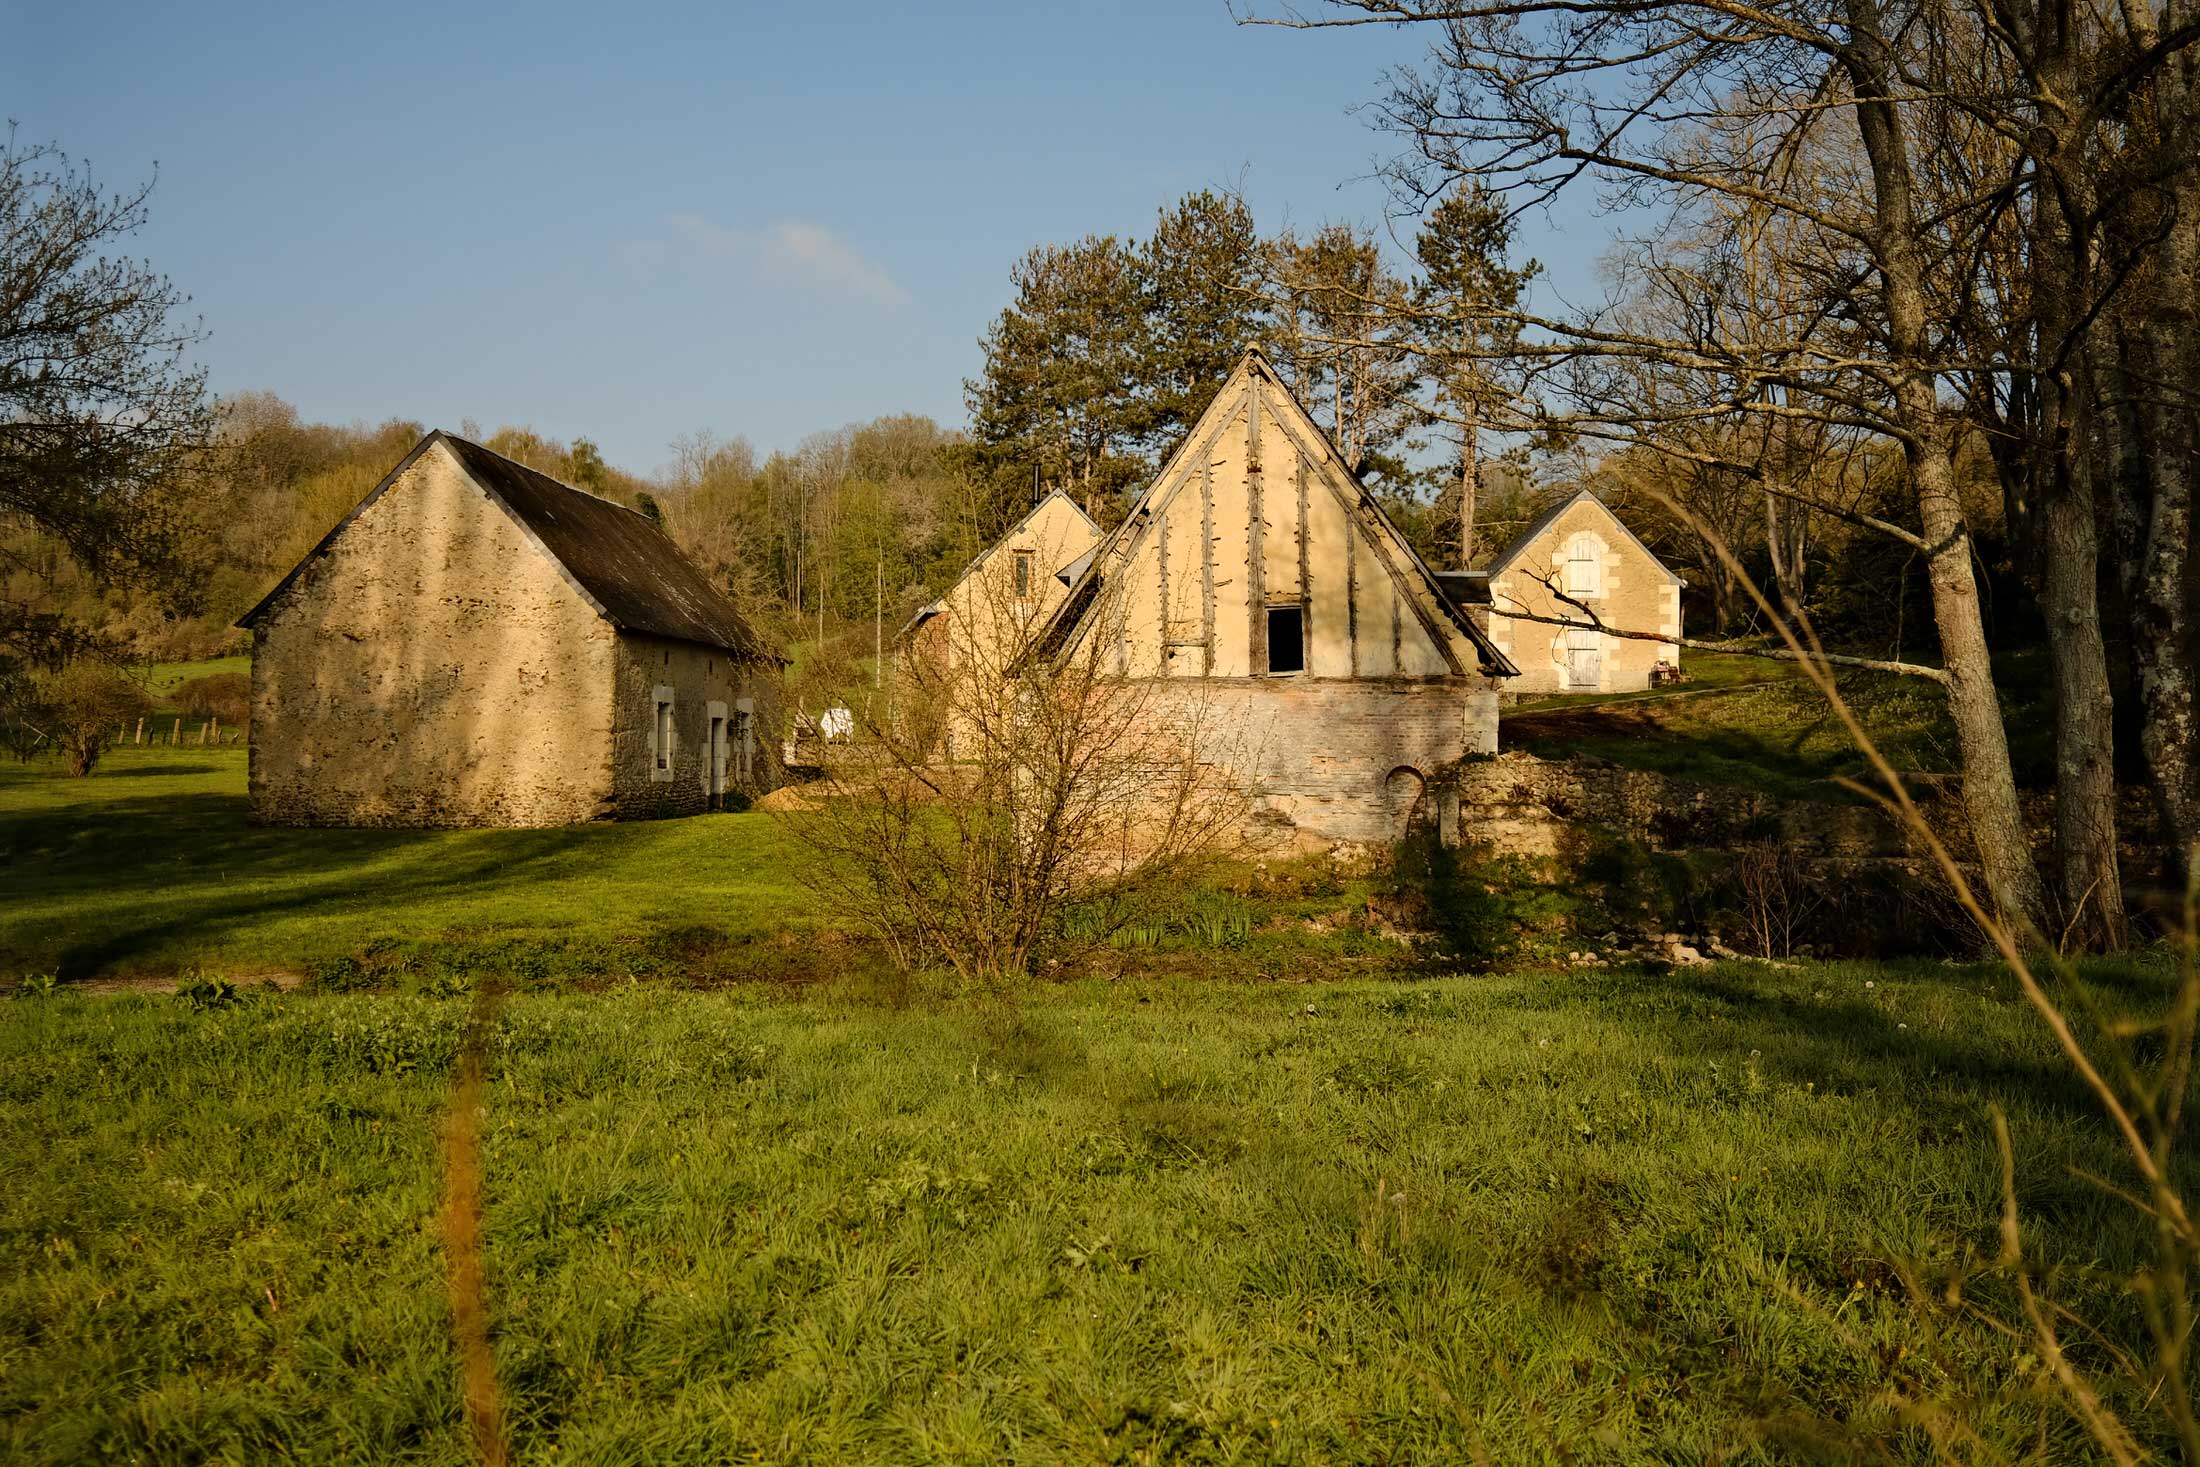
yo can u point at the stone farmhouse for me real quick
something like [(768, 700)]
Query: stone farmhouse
[(983, 622), (1578, 547), (1256, 579), (478, 644)]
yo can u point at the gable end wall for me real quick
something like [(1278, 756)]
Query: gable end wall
[(1639, 596), (431, 668)]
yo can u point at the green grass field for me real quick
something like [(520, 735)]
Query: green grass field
[(1755, 721), (149, 866), (1582, 1216), (1540, 1217)]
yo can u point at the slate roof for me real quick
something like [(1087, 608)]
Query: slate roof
[(628, 569)]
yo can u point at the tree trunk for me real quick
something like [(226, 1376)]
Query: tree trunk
[(2163, 578), (1470, 480), (2089, 885), (1989, 785)]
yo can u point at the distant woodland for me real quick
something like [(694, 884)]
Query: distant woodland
[(1108, 352)]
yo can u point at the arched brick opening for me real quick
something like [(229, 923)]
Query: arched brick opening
[(1406, 802)]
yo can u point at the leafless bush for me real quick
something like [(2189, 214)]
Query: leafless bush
[(74, 712), (1009, 801), (1779, 896), (223, 695)]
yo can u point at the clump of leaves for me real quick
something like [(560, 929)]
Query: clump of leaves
[(203, 992), (38, 985)]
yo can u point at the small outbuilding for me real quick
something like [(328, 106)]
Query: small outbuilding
[(1579, 563), (477, 644), (984, 622)]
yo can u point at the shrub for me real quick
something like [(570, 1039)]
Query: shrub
[(1476, 907), (202, 991), (79, 709), (223, 695)]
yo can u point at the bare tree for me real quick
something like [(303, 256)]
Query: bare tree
[(103, 424), (1710, 109), (1004, 807)]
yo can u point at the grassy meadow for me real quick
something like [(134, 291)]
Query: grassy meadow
[(1587, 1217), (747, 1201), (149, 867)]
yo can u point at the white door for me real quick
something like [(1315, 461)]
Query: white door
[(1584, 659), (717, 757)]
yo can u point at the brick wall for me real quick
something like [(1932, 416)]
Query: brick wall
[(1326, 754), (433, 668)]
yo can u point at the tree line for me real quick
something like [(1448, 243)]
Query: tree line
[(1895, 251)]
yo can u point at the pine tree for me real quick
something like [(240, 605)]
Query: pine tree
[(1461, 305)]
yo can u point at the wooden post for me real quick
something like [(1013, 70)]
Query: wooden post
[(1207, 563), (175, 734), (140, 739), (1168, 610), (1256, 533), (1306, 579), (1352, 591)]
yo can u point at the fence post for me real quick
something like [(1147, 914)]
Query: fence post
[(140, 729)]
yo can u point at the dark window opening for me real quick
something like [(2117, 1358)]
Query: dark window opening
[(1287, 639)]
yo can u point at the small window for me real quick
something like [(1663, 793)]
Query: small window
[(1023, 574), (1287, 639), (664, 735), (1584, 566)]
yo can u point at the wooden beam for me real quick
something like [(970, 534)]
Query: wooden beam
[(1306, 584), (1256, 535), (1207, 562)]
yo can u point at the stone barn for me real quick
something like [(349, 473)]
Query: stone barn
[(478, 644), (1580, 548), (982, 624), (1256, 579)]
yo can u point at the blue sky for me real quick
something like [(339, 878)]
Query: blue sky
[(630, 223)]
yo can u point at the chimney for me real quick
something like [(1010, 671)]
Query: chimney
[(1037, 493)]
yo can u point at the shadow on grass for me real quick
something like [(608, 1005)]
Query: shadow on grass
[(1897, 1041), (200, 873)]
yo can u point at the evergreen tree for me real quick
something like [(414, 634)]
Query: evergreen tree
[(1203, 308), (1062, 366), (1462, 305)]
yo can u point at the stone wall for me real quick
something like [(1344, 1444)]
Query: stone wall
[(1349, 759), (1637, 594), (1521, 805), (432, 668), (700, 683)]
